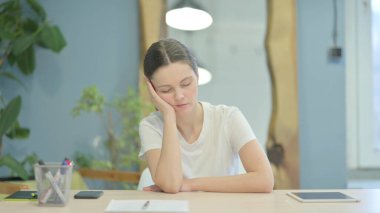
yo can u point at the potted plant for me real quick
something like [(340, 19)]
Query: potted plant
[(23, 27), (120, 118)]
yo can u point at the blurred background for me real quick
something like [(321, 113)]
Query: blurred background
[(338, 97)]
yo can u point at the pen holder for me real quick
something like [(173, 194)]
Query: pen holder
[(53, 182)]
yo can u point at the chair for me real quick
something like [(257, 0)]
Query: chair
[(145, 179), (110, 175)]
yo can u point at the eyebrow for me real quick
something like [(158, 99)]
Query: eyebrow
[(189, 77)]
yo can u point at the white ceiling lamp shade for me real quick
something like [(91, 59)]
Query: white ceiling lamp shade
[(204, 76), (375, 6), (188, 15)]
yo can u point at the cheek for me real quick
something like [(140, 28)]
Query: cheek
[(166, 97), (192, 91), (194, 88)]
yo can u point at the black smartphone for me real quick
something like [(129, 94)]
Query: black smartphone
[(88, 194)]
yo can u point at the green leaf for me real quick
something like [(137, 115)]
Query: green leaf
[(90, 101), (83, 160), (22, 43), (10, 6), (30, 159), (26, 61), (14, 165), (51, 38), (9, 114), (37, 8), (11, 59), (18, 132), (12, 77), (5, 34), (5, 4), (30, 26)]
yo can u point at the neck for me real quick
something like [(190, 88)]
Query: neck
[(189, 122)]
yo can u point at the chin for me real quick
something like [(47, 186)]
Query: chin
[(183, 109)]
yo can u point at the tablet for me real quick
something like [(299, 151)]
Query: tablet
[(88, 194), (22, 196), (321, 197)]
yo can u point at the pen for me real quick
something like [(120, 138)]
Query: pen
[(65, 166), (146, 204)]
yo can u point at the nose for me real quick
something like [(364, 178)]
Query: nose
[(179, 94)]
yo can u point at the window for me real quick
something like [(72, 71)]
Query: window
[(376, 69), (363, 83)]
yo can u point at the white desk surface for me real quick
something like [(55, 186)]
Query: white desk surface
[(277, 201)]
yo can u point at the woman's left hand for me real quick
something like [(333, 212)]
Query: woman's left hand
[(184, 188), (152, 188)]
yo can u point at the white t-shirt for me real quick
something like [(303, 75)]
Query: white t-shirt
[(216, 152)]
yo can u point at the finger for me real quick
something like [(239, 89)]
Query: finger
[(155, 188), (147, 188), (151, 90), (149, 83)]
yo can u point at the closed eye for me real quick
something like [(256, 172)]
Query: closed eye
[(165, 91), (185, 84)]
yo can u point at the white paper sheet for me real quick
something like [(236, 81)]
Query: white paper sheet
[(154, 206)]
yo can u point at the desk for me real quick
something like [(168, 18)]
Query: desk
[(276, 201)]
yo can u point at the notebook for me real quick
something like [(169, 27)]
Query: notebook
[(321, 197), (22, 196), (147, 206)]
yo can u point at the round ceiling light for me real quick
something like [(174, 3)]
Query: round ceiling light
[(188, 16), (204, 76)]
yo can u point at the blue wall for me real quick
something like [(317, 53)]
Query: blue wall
[(103, 44), (322, 104), (102, 49)]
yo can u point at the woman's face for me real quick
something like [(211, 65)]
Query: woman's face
[(177, 84)]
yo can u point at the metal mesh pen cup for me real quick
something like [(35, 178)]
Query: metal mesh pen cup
[(53, 182)]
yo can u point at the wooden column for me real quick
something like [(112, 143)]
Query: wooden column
[(152, 28), (282, 145)]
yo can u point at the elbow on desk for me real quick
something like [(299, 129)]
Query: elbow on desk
[(264, 184), (265, 187), (171, 190), (267, 181), (171, 187), (268, 184)]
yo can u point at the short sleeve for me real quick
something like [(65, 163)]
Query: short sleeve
[(150, 137), (238, 129)]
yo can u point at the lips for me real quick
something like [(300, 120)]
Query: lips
[(181, 105)]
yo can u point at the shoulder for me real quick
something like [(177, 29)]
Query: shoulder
[(154, 120), (221, 109)]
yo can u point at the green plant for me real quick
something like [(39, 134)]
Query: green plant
[(23, 27), (120, 118)]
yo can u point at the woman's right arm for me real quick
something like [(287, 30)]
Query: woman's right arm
[(165, 163)]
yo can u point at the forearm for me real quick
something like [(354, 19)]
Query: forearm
[(168, 174), (249, 182)]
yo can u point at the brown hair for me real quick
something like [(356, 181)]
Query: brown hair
[(165, 52)]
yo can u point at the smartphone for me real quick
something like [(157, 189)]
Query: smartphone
[(88, 194)]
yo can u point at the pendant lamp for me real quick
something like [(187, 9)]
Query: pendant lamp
[(188, 15), (204, 76)]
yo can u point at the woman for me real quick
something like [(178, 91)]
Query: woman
[(191, 145)]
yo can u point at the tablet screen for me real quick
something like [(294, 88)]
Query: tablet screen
[(88, 194), (322, 197)]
